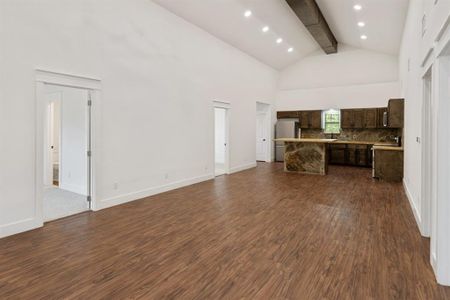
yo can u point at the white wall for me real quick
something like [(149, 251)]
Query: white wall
[(351, 78), (159, 77), (417, 55)]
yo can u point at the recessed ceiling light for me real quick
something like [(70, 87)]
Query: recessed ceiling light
[(357, 7), (364, 37), (279, 40), (265, 28), (290, 49), (248, 13), (361, 24)]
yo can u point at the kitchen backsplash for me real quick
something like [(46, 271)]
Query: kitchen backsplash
[(369, 135)]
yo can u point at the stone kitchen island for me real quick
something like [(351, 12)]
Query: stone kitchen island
[(307, 156)]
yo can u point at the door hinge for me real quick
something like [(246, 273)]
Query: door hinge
[(89, 153), (89, 103), (89, 198)]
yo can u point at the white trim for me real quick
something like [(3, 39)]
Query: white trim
[(427, 56), (124, 198), (64, 79), (19, 226), (443, 29), (414, 209), (222, 104), (242, 167)]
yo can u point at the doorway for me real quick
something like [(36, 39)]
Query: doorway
[(67, 151), (263, 132), (221, 144)]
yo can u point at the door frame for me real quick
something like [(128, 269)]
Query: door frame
[(426, 152), (93, 86), (267, 111), (440, 255), (227, 107)]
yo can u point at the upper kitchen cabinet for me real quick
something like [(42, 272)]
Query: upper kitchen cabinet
[(346, 118), (371, 118), (358, 118), (287, 115), (316, 119), (362, 118), (382, 117), (310, 119), (352, 118), (396, 108)]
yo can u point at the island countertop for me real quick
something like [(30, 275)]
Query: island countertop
[(335, 141), (293, 140)]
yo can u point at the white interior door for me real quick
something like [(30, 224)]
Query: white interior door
[(220, 140), (261, 136)]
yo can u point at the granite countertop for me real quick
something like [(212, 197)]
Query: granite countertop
[(389, 148), (364, 143), (324, 141)]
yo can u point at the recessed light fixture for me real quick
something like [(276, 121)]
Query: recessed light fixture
[(290, 49), (357, 7), (248, 13), (265, 28), (364, 37), (279, 40), (361, 24)]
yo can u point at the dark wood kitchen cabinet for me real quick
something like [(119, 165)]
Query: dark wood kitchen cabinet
[(396, 108), (362, 118), (381, 115), (310, 119), (287, 115), (370, 118), (388, 164), (350, 155), (358, 118), (352, 118), (346, 118)]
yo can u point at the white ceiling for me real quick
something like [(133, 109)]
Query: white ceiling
[(225, 20), (384, 20)]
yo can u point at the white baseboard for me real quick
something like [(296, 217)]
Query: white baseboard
[(413, 207), (19, 226), (242, 167), (121, 199)]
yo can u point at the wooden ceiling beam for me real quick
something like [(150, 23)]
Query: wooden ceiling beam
[(309, 13)]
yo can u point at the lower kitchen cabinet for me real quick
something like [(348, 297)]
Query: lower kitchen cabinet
[(388, 164), (350, 155)]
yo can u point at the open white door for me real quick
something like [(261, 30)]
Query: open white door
[(221, 139), (262, 139)]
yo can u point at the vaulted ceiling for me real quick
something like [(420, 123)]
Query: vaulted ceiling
[(384, 21)]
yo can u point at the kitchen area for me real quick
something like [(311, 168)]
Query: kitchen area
[(308, 141)]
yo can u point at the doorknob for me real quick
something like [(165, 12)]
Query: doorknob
[(264, 140)]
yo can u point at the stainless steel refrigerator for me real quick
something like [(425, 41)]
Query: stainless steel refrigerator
[(285, 128)]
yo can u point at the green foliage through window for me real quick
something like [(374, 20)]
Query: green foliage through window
[(332, 121)]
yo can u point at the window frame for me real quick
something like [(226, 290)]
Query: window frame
[(324, 117)]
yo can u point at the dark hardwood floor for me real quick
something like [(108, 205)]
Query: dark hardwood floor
[(258, 234)]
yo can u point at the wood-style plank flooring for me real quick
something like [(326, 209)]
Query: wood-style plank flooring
[(257, 234)]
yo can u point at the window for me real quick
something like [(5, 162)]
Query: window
[(332, 121)]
